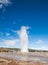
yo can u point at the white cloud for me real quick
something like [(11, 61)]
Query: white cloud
[(4, 3), (1, 6), (40, 42), (41, 48), (7, 34), (11, 42), (44, 48)]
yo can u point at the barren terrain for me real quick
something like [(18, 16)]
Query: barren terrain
[(9, 60)]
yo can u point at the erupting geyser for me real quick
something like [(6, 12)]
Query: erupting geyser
[(23, 38)]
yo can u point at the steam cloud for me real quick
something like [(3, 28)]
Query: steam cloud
[(23, 38)]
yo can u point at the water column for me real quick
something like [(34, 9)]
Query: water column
[(23, 35)]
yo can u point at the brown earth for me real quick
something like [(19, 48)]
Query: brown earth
[(4, 61)]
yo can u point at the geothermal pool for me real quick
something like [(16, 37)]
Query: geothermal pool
[(30, 58)]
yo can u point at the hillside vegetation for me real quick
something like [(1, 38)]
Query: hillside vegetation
[(18, 49)]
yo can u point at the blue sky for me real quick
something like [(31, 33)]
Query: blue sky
[(17, 13)]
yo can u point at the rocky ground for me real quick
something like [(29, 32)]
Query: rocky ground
[(7, 61), (4, 61)]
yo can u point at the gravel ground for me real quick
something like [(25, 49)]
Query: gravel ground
[(9, 61), (4, 61)]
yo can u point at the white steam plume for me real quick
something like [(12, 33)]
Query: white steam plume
[(23, 38)]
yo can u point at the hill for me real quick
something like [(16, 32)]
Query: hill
[(18, 49)]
